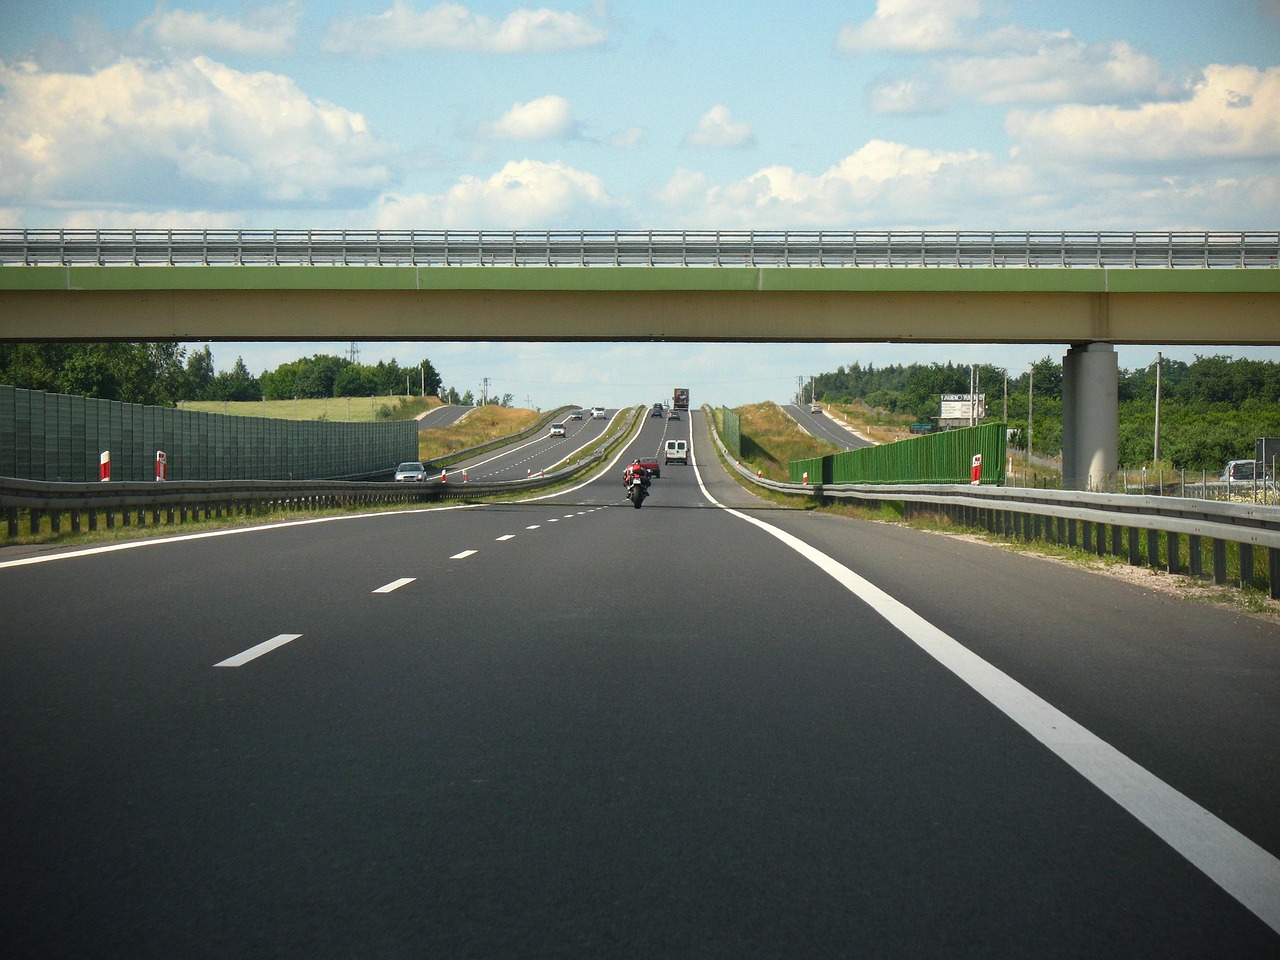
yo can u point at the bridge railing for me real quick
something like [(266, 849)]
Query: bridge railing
[(692, 248)]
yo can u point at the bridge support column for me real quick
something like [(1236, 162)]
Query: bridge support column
[(1090, 416)]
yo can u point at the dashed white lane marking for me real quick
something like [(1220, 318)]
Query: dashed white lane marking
[(1239, 866), (533, 526), (506, 536), (395, 585), (554, 520), (240, 659), (463, 555)]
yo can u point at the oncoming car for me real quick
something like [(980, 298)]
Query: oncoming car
[(411, 472), (557, 430), (576, 415)]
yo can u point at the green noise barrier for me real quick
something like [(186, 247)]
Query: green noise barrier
[(731, 433), (46, 436), (937, 458)]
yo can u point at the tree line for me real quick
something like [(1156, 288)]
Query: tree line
[(1211, 410), (164, 374)]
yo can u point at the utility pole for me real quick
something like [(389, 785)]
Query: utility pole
[(484, 392), (1031, 391), (1159, 365)]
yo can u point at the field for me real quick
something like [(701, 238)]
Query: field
[(347, 409)]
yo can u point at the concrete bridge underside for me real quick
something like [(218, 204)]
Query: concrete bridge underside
[(1087, 310)]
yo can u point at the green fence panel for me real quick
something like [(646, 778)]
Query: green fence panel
[(732, 432), (936, 458), (55, 437)]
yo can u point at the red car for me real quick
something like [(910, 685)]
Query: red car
[(651, 464)]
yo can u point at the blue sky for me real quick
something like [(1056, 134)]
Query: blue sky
[(974, 114)]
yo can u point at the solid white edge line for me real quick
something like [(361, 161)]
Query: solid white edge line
[(1239, 866), (240, 659), (395, 585)]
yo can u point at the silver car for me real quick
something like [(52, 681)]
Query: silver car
[(411, 472)]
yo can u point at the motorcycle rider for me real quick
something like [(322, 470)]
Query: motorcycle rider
[(633, 470)]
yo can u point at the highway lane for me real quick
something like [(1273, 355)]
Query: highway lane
[(607, 732), (442, 416), (522, 458), (825, 427)]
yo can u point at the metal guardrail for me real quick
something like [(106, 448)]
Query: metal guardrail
[(719, 248), (182, 500), (1082, 519)]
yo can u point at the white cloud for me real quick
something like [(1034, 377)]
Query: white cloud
[(717, 128), (911, 26), (265, 30), (974, 59), (881, 184), (629, 139), (895, 186), (1231, 115), (451, 26), (547, 118), (523, 195), (193, 133)]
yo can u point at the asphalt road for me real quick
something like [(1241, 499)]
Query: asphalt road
[(568, 728), (825, 427), (523, 458)]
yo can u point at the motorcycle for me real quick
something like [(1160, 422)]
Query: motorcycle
[(636, 491)]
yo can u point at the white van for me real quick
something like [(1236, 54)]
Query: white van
[(676, 451)]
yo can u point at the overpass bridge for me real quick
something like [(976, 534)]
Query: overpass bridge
[(1087, 291)]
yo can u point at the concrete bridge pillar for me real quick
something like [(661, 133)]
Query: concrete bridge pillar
[(1090, 416)]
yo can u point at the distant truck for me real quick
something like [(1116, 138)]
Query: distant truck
[(681, 398)]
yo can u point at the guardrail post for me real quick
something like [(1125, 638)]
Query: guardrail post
[(1246, 565), (1088, 535), (1117, 540), (1073, 540), (1273, 572), (55, 520), (1135, 548), (1171, 544), (111, 517), (1153, 548), (93, 518), (1219, 561), (1195, 561), (75, 520)]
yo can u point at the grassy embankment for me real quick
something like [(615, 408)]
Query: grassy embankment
[(481, 425), (344, 409)]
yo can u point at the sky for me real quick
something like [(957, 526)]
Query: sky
[(643, 114)]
